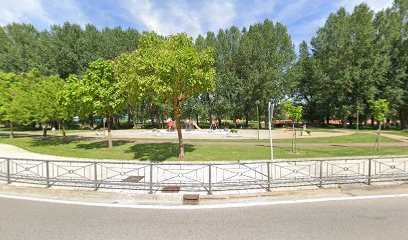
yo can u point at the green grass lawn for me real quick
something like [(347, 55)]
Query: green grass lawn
[(353, 138), (169, 151)]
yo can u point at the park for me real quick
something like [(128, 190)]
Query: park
[(257, 128)]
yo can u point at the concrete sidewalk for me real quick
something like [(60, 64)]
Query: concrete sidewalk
[(174, 200)]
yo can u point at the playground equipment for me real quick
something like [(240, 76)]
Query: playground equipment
[(171, 126), (214, 127)]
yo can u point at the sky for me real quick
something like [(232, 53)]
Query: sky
[(194, 17)]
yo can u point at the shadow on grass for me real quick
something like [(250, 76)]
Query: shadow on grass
[(157, 152), (99, 144), (39, 141)]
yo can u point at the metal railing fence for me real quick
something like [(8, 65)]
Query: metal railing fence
[(198, 177)]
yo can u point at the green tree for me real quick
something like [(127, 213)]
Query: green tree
[(46, 108), (69, 102), (345, 48), (379, 109), (16, 98), (174, 70), (101, 93), (295, 114), (392, 43), (135, 88), (310, 85), (68, 52)]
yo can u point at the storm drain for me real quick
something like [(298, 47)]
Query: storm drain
[(133, 179), (191, 199), (171, 189)]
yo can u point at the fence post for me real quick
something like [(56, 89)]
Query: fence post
[(321, 174), (8, 171), (47, 173), (151, 179), (209, 180), (369, 171), (95, 176), (268, 165)]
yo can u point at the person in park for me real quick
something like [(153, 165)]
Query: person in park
[(303, 129)]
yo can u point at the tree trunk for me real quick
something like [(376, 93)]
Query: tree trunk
[(135, 121), (110, 144), (179, 134), (246, 119), (152, 120), (343, 121), (91, 122), (197, 120), (64, 133), (266, 122), (404, 118), (11, 135), (117, 123), (45, 130), (372, 121)]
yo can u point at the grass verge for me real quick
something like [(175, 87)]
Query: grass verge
[(169, 151)]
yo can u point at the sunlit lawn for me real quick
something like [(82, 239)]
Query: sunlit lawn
[(169, 151)]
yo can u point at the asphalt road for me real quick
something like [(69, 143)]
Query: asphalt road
[(357, 219)]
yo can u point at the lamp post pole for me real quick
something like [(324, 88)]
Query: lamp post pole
[(358, 121), (257, 115), (270, 111)]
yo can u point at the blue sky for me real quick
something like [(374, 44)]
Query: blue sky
[(302, 17)]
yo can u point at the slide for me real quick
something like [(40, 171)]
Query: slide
[(195, 125)]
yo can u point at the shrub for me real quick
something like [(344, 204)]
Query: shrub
[(233, 131)]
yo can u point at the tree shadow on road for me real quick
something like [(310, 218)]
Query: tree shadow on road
[(157, 152)]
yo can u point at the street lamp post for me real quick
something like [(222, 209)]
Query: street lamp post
[(271, 107), (358, 120), (257, 114)]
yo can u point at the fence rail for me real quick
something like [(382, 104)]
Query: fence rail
[(207, 177)]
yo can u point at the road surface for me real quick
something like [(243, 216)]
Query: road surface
[(357, 219)]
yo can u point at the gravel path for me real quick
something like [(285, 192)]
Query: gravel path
[(10, 151), (385, 144)]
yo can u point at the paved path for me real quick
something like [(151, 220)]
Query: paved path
[(397, 137), (266, 144), (11, 151), (278, 133), (349, 220)]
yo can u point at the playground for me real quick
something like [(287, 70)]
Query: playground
[(279, 133)]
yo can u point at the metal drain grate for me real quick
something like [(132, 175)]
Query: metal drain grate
[(133, 179), (171, 189), (191, 199)]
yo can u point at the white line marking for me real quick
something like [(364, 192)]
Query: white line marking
[(227, 205)]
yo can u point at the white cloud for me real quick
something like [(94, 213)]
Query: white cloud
[(22, 11), (255, 9), (41, 12), (218, 14), (172, 17), (65, 10)]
